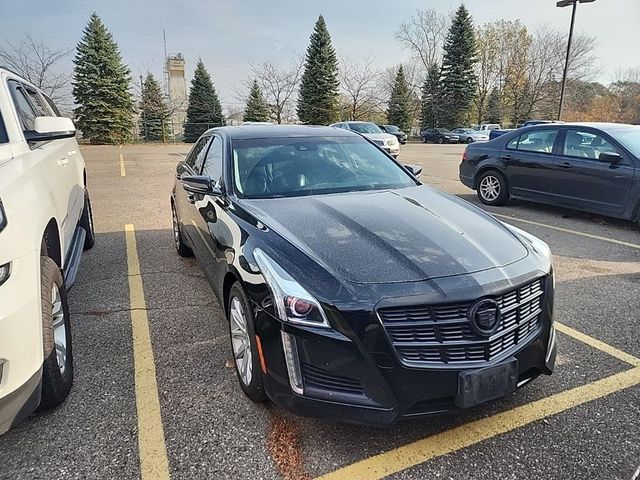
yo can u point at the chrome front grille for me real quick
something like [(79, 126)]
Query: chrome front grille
[(440, 334)]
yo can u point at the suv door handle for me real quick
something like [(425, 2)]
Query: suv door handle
[(505, 157), (565, 165)]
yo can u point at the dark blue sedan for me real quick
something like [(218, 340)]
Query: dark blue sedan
[(593, 167)]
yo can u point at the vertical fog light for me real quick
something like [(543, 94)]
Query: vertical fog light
[(293, 365), (5, 270)]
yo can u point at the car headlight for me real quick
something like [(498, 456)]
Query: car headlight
[(537, 245), (293, 303), (3, 217)]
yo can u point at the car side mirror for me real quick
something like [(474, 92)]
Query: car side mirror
[(50, 128), (611, 157), (415, 170), (201, 184)]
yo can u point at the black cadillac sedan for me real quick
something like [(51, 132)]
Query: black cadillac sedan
[(587, 166), (352, 291)]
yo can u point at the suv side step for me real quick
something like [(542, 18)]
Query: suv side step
[(72, 262)]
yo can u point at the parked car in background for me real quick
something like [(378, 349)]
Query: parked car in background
[(352, 291), (486, 127), (389, 143), (495, 133), (395, 131), (469, 135), (438, 135), (45, 223), (587, 166), (530, 123)]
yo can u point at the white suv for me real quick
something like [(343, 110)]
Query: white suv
[(45, 223)]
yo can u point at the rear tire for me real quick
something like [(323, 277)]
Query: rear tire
[(469, 140), (492, 188), (440, 140), (57, 367), (86, 222), (244, 344), (178, 241)]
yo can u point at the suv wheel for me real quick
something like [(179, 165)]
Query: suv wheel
[(57, 368), (86, 222), (181, 248), (244, 344), (492, 188)]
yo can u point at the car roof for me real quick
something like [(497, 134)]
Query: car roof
[(277, 131), (599, 125)]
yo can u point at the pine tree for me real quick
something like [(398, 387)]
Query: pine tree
[(153, 111), (318, 102), (257, 109), (431, 108), (204, 110), (399, 110), (494, 107), (101, 87), (458, 77)]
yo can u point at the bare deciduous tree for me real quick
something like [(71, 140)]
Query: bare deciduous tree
[(39, 64), (359, 81), (424, 35), (278, 85)]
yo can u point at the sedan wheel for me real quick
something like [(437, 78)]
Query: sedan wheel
[(469, 140), (249, 364), (441, 140), (492, 188), (240, 341), (182, 249)]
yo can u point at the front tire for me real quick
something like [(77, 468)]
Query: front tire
[(244, 344), (440, 140), (182, 249), (86, 222), (469, 140), (492, 188), (57, 367)]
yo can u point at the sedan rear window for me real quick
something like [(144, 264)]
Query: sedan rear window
[(540, 141), (281, 167)]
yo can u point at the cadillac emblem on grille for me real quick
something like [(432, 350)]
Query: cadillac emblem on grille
[(484, 317)]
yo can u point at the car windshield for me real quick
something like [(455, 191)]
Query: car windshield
[(289, 167), (391, 128), (365, 128), (629, 137)]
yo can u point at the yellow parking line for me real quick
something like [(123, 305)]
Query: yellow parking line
[(595, 343), (152, 449), (122, 171), (398, 459), (567, 230)]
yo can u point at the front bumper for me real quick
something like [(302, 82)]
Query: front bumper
[(393, 150), (20, 340), (359, 378)]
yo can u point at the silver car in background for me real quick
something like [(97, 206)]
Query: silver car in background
[(469, 135), (389, 143)]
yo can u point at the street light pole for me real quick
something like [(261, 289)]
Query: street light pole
[(574, 5)]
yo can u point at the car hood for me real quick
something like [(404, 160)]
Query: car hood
[(403, 235), (379, 136)]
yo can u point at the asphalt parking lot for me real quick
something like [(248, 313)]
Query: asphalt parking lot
[(155, 396)]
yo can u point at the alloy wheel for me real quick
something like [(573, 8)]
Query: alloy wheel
[(490, 188), (176, 228), (240, 340), (59, 328)]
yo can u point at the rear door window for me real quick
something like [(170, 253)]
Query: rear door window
[(583, 144), (539, 141)]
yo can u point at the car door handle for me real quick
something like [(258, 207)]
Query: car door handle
[(565, 165), (505, 157), (63, 161), (191, 198)]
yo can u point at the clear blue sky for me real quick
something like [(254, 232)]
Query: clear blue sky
[(230, 34)]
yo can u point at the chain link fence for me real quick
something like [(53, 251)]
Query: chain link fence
[(169, 131)]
